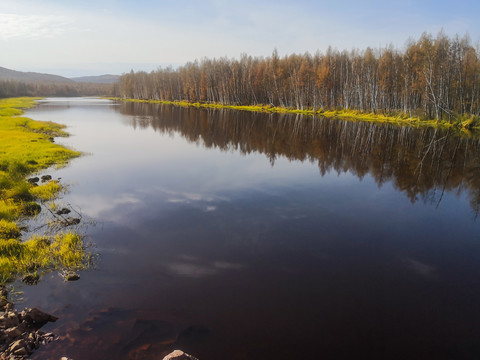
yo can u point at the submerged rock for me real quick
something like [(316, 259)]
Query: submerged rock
[(46, 178), (31, 279), (63, 211), (70, 275), (36, 318), (33, 180), (71, 221)]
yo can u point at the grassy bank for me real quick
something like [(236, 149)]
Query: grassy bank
[(27, 147), (351, 115)]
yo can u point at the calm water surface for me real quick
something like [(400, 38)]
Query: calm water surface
[(234, 235)]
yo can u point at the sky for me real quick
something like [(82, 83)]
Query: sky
[(94, 37)]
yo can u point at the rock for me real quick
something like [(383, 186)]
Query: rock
[(46, 178), (3, 302), (72, 277), (31, 279), (21, 351), (37, 318), (32, 338), (8, 320), (46, 338), (17, 345), (70, 221), (179, 355), (13, 332), (33, 180), (63, 211), (65, 358)]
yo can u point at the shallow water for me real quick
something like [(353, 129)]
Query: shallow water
[(235, 235)]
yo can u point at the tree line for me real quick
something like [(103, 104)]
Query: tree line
[(433, 78), (15, 88)]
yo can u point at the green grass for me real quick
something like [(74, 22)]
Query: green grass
[(40, 254), (26, 147)]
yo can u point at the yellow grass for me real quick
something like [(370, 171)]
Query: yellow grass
[(26, 147)]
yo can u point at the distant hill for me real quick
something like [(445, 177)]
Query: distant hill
[(31, 77), (101, 79)]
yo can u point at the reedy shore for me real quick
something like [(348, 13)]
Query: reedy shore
[(465, 126)]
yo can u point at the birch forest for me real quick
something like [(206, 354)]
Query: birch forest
[(433, 77)]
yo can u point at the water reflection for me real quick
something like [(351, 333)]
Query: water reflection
[(422, 163), (226, 257)]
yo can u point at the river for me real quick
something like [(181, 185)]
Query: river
[(238, 235)]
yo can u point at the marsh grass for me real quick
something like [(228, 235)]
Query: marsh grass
[(9, 230), (41, 254), (48, 191), (27, 147)]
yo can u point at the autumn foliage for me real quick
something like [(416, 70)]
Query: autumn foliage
[(433, 78)]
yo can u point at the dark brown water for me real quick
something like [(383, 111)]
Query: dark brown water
[(234, 235)]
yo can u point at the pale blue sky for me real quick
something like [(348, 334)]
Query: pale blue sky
[(93, 37)]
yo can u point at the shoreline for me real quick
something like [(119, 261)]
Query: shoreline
[(347, 115), (26, 151)]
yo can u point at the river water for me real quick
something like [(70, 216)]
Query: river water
[(237, 235)]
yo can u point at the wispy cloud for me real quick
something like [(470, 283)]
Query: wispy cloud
[(16, 26), (422, 269), (146, 34), (193, 267)]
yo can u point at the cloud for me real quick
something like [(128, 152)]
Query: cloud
[(190, 270), (189, 266), (97, 204), (422, 269), (15, 26)]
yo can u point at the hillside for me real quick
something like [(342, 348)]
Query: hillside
[(101, 79), (31, 77)]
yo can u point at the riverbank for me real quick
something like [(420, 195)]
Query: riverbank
[(28, 147), (350, 115)]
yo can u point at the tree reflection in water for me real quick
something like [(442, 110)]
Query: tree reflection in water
[(424, 163)]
